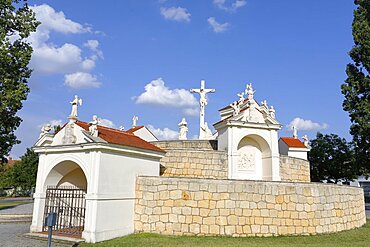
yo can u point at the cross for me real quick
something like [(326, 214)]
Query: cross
[(202, 102)]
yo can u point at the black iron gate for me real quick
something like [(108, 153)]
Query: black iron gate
[(70, 204)]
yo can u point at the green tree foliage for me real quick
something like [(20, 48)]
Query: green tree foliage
[(356, 88), (331, 159), (16, 24), (22, 176)]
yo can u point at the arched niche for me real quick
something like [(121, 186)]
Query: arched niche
[(254, 157), (66, 173)]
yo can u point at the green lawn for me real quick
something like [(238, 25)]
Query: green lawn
[(357, 237), (5, 205)]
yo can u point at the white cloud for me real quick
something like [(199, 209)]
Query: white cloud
[(67, 58), (93, 45), (81, 80), (56, 21), (191, 111), (216, 26), (303, 124), (54, 122), (107, 123), (157, 93), (221, 4), (49, 59), (176, 14), (165, 134)]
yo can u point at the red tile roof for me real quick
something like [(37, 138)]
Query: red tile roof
[(133, 129), (11, 162), (293, 143), (118, 137)]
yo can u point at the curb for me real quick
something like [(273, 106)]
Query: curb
[(55, 238), (15, 218)]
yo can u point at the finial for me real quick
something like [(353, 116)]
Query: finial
[(295, 132)]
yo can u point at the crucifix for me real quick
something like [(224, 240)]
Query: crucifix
[(202, 102)]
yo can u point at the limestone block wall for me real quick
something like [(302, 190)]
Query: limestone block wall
[(197, 159), (294, 169), (183, 206)]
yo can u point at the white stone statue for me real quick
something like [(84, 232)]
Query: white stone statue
[(183, 125), (249, 91), (75, 104), (207, 132), (134, 121), (202, 102), (236, 107), (305, 140), (264, 103), (241, 98), (295, 132), (93, 128), (45, 130), (272, 112)]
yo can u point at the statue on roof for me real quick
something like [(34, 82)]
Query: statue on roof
[(295, 132), (45, 130), (264, 103), (236, 107), (76, 101), (241, 97), (272, 111), (183, 125), (134, 121), (249, 90), (93, 128), (305, 140)]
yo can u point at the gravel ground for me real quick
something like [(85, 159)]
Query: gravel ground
[(11, 235)]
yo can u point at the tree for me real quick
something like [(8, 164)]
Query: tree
[(16, 24), (356, 88), (22, 176), (332, 159)]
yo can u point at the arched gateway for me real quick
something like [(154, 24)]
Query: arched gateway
[(88, 178)]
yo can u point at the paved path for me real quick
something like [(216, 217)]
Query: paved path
[(11, 235), (368, 214), (20, 209)]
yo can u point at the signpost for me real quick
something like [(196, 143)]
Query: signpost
[(50, 222)]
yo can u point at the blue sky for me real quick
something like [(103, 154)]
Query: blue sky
[(126, 58)]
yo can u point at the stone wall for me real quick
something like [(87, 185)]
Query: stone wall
[(294, 169), (183, 206), (196, 159)]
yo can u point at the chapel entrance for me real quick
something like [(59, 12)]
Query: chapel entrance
[(65, 188), (69, 203)]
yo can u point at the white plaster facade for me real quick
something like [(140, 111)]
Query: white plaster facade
[(296, 151), (249, 134), (144, 133), (107, 171)]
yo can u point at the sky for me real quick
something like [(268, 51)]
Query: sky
[(126, 58)]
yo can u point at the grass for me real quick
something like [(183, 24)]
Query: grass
[(356, 237), (5, 205)]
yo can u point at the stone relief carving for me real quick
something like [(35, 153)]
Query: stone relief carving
[(69, 137), (246, 162)]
